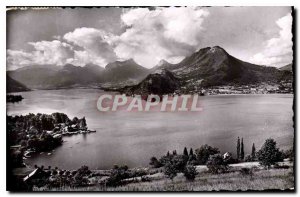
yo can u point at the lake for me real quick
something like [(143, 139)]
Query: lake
[(132, 138)]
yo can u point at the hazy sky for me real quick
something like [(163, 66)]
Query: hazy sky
[(260, 35)]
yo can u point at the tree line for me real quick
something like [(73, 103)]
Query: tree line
[(186, 163)]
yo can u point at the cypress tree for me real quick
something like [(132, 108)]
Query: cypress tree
[(174, 152), (253, 153), (191, 152), (242, 150), (185, 152), (238, 148)]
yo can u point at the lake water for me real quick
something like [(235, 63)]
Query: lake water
[(133, 137)]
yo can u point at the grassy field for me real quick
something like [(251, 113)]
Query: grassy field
[(261, 179)]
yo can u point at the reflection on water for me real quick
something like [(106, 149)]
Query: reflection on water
[(133, 137)]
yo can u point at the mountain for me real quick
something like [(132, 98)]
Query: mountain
[(121, 71), (160, 82), (210, 66), (288, 67), (71, 75), (47, 77), (213, 66), (51, 77), (14, 86), (34, 76), (162, 64)]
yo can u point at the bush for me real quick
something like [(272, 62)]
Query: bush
[(117, 175), (269, 154), (246, 171), (281, 167), (145, 179), (170, 170), (204, 152), (248, 158), (81, 176), (216, 164), (288, 154), (155, 163), (190, 172), (174, 164)]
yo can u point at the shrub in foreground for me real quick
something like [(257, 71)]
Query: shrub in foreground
[(216, 164), (269, 154), (117, 175), (204, 152), (190, 172), (246, 171)]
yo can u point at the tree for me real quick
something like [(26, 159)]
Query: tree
[(269, 154), (242, 150), (253, 152), (174, 152), (203, 153), (185, 152), (81, 177), (168, 153), (191, 152), (154, 162), (170, 170), (288, 154), (248, 158), (117, 175), (179, 161), (174, 165), (238, 148), (216, 164), (190, 172)]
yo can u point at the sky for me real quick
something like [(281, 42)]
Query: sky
[(55, 37)]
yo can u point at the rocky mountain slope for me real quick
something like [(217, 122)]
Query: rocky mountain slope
[(124, 70), (14, 86), (213, 66), (159, 82)]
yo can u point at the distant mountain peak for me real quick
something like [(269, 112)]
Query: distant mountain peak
[(160, 82), (215, 49), (162, 62), (130, 61), (69, 66), (117, 64), (94, 67), (161, 71)]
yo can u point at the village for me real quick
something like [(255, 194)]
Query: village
[(284, 87)]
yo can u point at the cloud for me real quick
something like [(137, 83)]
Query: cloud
[(95, 44), (277, 51), (149, 35), (16, 59), (81, 58), (81, 46), (45, 52), (163, 33), (51, 52)]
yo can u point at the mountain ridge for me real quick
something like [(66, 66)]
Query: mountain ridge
[(207, 67)]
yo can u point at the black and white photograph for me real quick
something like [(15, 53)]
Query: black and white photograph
[(150, 99)]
